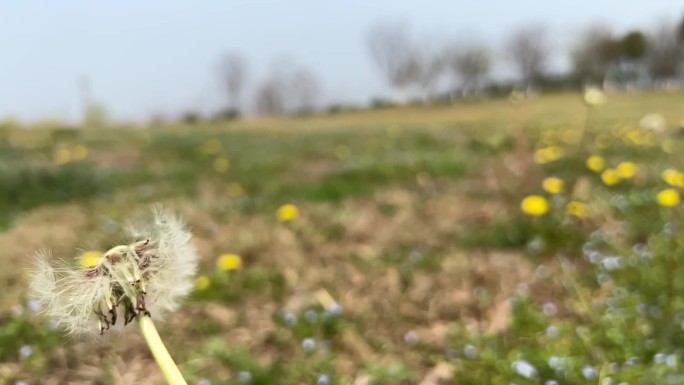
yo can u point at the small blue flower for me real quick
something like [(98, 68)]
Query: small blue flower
[(323, 379), (25, 351), (308, 344), (244, 377), (311, 316)]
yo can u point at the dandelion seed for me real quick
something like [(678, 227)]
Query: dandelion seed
[(534, 205), (653, 122), (287, 213), (668, 198), (594, 97)]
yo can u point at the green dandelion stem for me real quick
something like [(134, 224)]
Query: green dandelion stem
[(161, 355)]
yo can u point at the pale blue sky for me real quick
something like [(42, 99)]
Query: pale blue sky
[(147, 57)]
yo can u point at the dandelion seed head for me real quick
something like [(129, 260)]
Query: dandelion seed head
[(151, 274)]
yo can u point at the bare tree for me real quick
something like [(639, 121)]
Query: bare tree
[(305, 90), (529, 51), (470, 66), (270, 97), (391, 48), (664, 54), (233, 71), (431, 66), (595, 51)]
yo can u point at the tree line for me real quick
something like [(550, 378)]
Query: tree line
[(460, 67), (598, 56)]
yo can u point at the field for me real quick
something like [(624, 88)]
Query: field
[(417, 245)]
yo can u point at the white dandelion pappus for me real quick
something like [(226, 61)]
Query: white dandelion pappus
[(150, 275)]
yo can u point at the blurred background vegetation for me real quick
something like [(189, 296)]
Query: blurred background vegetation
[(463, 228)]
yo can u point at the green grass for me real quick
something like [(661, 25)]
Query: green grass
[(410, 220)]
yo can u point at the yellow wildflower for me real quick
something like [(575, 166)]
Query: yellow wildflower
[(90, 258), (673, 177), (548, 154), (235, 190), (79, 152), (602, 141), (668, 197), (610, 176), (626, 170), (668, 146), (577, 209), (634, 136), (228, 262), (596, 163), (553, 185), (570, 136), (287, 213), (211, 147), (62, 156), (342, 152), (221, 165), (534, 205), (202, 282)]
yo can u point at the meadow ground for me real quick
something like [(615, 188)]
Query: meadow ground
[(480, 243)]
